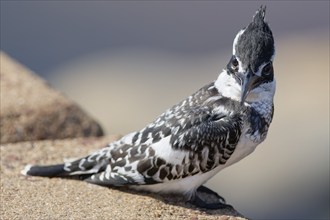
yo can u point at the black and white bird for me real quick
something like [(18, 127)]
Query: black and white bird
[(189, 143)]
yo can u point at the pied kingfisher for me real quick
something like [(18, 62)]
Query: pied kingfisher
[(189, 143)]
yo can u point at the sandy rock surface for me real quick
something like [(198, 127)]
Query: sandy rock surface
[(43, 198), (31, 110)]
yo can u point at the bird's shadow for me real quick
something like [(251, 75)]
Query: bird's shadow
[(178, 200), (171, 199)]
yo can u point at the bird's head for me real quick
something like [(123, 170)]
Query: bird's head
[(250, 69)]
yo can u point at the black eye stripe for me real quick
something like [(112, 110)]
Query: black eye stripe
[(234, 62), (232, 66), (267, 74), (267, 68), (268, 71)]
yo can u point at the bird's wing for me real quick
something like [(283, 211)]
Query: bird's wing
[(215, 131), (187, 139)]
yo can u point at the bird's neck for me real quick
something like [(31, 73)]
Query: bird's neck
[(260, 99), (227, 86)]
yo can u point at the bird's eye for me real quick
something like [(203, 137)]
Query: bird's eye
[(234, 63), (267, 70)]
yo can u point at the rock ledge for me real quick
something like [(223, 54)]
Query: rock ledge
[(43, 198)]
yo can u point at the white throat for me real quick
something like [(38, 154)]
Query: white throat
[(229, 87)]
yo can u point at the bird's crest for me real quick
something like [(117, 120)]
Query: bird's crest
[(259, 17), (258, 22)]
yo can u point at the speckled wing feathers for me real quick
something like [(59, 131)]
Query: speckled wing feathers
[(192, 136)]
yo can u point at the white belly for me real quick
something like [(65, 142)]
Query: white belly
[(188, 185), (244, 147)]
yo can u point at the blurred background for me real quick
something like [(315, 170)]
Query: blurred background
[(127, 62)]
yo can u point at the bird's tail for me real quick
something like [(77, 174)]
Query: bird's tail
[(47, 171), (85, 166)]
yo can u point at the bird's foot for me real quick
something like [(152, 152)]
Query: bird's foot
[(204, 189), (197, 201)]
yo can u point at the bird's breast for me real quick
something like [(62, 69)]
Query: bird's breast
[(244, 147)]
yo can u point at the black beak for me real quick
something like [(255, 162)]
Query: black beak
[(247, 80)]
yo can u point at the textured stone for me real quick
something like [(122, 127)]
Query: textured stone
[(31, 110), (44, 198)]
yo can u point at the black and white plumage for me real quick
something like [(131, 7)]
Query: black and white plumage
[(188, 144)]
